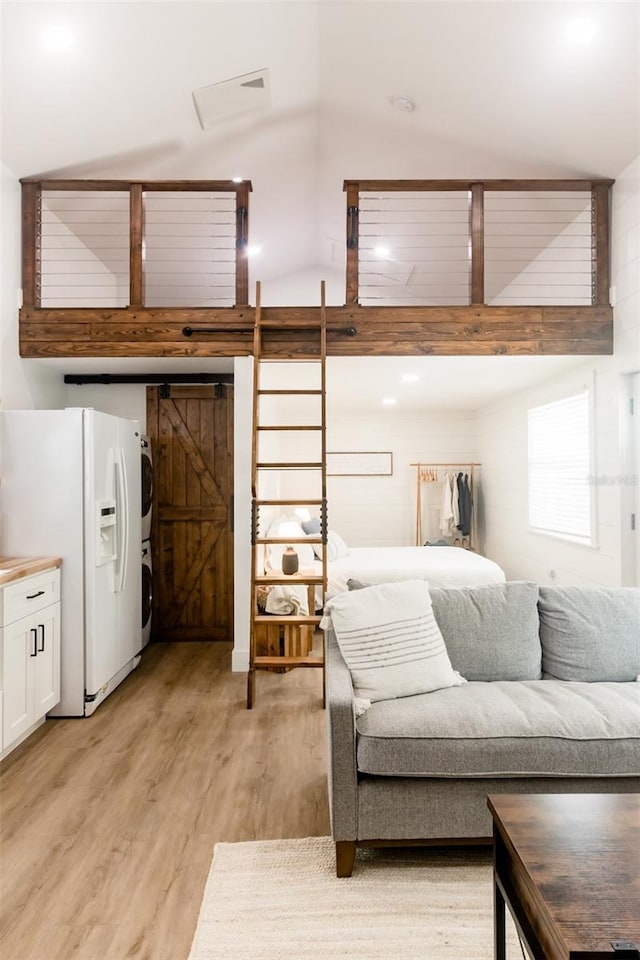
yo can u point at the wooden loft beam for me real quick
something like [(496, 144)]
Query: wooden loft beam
[(136, 217), (427, 185), (600, 244), (353, 253), (189, 185), (242, 240), (477, 243), (351, 331), (31, 193)]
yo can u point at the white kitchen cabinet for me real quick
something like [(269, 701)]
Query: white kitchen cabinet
[(30, 640)]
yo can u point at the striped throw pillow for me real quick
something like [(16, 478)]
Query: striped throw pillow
[(390, 641)]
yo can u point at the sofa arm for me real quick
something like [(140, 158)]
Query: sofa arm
[(342, 773)]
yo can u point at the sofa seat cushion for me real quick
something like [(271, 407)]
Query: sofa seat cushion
[(505, 729)]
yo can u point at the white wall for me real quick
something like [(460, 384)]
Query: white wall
[(127, 400), (502, 436), (302, 288), (381, 511)]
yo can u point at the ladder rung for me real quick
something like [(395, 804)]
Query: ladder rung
[(291, 618), (289, 466), (288, 503), (292, 426), (291, 393), (291, 540), (310, 324), (288, 662), (290, 578)]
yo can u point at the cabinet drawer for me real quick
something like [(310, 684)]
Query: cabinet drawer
[(29, 595)]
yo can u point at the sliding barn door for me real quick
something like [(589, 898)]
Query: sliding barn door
[(191, 431)]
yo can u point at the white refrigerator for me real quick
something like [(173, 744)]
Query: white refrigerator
[(70, 487)]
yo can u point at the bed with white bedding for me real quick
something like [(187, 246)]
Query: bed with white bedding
[(440, 566)]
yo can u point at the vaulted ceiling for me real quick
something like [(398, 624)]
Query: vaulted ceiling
[(501, 89), (511, 88)]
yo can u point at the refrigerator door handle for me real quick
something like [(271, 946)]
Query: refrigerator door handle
[(122, 510)]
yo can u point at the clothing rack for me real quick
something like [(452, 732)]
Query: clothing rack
[(423, 471)]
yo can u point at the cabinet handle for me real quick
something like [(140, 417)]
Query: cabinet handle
[(32, 596), (35, 642), (41, 627)]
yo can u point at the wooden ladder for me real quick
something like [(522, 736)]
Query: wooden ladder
[(279, 642)]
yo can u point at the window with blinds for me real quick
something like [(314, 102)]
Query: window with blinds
[(560, 466)]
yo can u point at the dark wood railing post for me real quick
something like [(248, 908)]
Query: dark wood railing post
[(353, 240), (135, 245), (600, 245), (242, 241), (31, 235), (477, 243)]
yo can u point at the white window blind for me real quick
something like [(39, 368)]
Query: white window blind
[(560, 463)]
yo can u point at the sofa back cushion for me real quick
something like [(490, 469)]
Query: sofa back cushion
[(491, 632), (590, 633)]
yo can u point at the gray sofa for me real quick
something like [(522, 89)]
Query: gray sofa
[(552, 705)]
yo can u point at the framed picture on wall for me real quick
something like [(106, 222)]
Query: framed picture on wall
[(361, 463)]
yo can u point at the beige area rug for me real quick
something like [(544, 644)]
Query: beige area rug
[(281, 900)]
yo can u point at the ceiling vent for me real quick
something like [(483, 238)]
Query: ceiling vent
[(232, 98)]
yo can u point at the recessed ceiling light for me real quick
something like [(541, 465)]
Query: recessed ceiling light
[(382, 251), (581, 30), (410, 377), (389, 401), (403, 103), (253, 251), (58, 38)]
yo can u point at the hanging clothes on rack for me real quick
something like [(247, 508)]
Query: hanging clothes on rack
[(457, 519), (464, 504), (446, 507), (455, 503)]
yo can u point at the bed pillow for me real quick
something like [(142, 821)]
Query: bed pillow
[(590, 633), (311, 527), (491, 632), (390, 640), (336, 547)]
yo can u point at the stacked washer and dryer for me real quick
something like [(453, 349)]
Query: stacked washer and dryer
[(147, 571)]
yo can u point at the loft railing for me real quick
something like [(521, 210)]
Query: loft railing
[(436, 243), (439, 267), (114, 243)]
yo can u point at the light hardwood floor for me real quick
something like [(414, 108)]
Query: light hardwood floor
[(108, 824)]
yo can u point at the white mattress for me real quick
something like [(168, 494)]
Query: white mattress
[(440, 566)]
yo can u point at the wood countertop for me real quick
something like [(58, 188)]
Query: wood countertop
[(15, 568)]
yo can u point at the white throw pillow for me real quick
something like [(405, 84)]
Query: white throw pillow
[(390, 640)]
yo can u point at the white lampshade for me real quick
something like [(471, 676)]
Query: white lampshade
[(289, 528)]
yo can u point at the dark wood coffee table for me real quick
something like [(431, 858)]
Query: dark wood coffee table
[(568, 866)]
